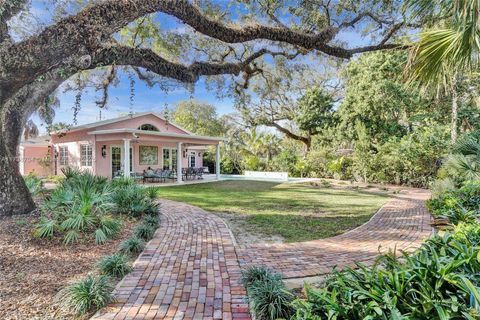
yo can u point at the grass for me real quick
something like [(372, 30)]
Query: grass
[(296, 212)]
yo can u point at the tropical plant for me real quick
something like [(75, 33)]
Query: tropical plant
[(440, 281), (79, 205), (132, 245), (151, 192), (144, 231), (152, 220), (34, 184), (270, 300), (115, 265), (465, 158), (451, 45), (268, 296), (255, 273), (131, 199), (89, 294)]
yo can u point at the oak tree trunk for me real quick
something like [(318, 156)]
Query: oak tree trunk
[(14, 195)]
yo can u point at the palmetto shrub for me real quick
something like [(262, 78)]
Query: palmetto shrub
[(131, 199), (79, 206), (144, 231), (86, 295), (34, 184), (132, 245), (115, 265)]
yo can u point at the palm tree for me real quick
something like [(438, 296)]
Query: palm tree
[(448, 49)]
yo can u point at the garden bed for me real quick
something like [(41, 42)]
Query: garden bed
[(33, 270)]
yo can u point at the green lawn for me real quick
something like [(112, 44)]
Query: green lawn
[(297, 212)]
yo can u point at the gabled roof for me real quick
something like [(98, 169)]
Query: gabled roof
[(113, 120)]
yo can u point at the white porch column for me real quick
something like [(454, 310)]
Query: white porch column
[(179, 162), (217, 162), (126, 157)]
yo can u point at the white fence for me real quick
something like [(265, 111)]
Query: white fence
[(267, 175)]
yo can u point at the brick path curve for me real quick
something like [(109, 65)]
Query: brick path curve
[(190, 270), (402, 223)]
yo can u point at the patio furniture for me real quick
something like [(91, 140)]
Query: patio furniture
[(150, 174), (199, 173), (137, 176)]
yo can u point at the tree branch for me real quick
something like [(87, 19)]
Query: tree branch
[(87, 31)]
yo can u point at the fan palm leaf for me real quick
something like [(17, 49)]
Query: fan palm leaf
[(451, 46)]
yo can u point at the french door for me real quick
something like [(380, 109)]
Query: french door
[(117, 159), (169, 159)]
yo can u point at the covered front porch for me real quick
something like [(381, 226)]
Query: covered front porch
[(138, 153)]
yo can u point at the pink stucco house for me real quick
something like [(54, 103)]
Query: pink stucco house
[(130, 144)]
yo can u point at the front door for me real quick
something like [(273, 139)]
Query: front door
[(116, 153)]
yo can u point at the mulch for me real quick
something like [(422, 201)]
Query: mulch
[(33, 270)]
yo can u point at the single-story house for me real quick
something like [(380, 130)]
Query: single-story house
[(127, 144)]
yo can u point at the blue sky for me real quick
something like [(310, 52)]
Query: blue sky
[(146, 99)]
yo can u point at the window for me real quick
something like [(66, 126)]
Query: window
[(169, 159), (148, 127), (63, 153), (191, 160), (86, 155)]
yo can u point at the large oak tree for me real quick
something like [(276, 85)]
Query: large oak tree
[(32, 68)]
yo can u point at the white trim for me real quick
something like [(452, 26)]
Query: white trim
[(60, 148), (155, 133), (121, 157), (114, 120), (80, 144)]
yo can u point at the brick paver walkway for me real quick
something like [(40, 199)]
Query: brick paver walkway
[(190, 270), (403, 223)]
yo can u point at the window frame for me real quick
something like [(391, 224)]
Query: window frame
[(63, 155), (86, 159)]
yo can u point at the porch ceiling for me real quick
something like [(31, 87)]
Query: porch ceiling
[(143, 135)]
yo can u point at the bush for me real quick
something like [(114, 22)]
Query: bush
[(151, 192), (79, 206), (440, 281), (270, 300), (34, 184), (255, 273), (130, 199), (460, 205), (152, 220), (86, 295), (115, 266), (132, 245), (144, 231)]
